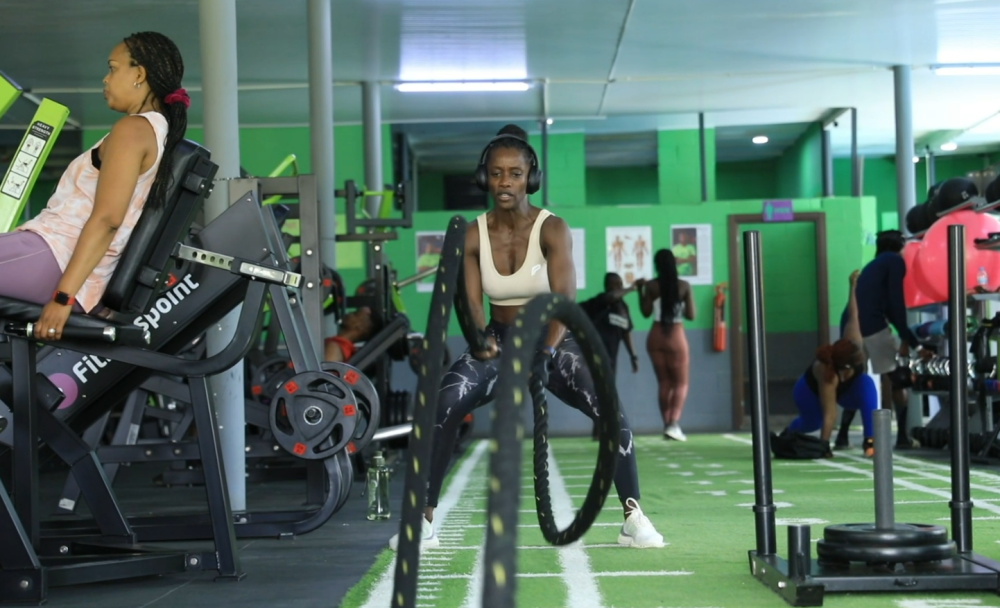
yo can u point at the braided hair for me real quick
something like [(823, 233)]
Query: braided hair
[(670, 293), (520, 144), (164, 71)]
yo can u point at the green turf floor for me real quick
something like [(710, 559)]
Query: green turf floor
[(698, 494)]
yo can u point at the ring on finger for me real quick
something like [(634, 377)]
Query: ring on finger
[(52, 330)]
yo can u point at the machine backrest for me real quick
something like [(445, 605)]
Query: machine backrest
[(145, 263)]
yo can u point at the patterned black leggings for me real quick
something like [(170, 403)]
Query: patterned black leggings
[(469, 383)]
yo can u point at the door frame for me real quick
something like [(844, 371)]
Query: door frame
[(736, 297)]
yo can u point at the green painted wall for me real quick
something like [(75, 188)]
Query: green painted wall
[(622, 186), (880, 177), (747, 180), (851, 224), (567, 169), (799, 170), (679, 166), (788, 256)]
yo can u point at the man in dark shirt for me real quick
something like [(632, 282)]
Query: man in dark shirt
[(879, 293), (609, 313)]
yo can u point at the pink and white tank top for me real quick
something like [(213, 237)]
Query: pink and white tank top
[(71, 205)]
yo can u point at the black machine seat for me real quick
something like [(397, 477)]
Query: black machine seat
[(145, 263)]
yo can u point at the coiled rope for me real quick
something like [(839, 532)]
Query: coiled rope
[(508, 433), (499, 586)]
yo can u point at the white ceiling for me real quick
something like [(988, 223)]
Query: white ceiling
[(609, 65)]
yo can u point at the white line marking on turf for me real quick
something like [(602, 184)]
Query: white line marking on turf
[(938, 603), (591, 574), (381, 595), (474, 590), (899, 482), (581, 591)]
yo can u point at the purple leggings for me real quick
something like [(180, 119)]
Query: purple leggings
[(28, 270)]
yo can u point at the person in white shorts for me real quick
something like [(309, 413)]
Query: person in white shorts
[(879, 294)]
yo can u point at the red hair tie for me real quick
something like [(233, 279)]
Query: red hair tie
[(180, 95)]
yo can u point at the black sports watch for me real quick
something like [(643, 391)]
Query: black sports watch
[(63, 299)]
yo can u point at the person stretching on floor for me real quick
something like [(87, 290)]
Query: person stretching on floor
[(668, 300), (512, 253), (65, 256), (837, 376)]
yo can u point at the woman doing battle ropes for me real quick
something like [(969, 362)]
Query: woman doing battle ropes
[(512, 253)]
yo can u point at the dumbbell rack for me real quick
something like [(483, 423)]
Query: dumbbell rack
[(803, 581)]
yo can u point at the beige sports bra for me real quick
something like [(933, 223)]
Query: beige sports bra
[(530, 280)]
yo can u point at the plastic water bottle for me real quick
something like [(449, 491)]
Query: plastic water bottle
[(981, 277), (378, 488)]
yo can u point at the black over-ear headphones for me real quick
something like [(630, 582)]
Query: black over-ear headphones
[(534, 173)]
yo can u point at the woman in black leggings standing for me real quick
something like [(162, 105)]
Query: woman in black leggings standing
[(512, 253)]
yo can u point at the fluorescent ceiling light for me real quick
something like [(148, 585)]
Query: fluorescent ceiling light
[(461, 87), (967, 70), (760, 139), (949, 147)]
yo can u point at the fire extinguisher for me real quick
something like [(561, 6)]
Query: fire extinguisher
[(719, 322)]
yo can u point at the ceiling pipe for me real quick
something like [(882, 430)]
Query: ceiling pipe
[(283, 86), (614, 60)]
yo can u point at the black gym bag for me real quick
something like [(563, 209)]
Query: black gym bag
[(799, 446)]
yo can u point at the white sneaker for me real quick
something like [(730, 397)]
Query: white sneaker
[(673, 431), (428, 539), (638, 531)]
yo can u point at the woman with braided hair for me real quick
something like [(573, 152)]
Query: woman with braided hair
[(668, 300), (837, 377), (512, 253), (65, 256)]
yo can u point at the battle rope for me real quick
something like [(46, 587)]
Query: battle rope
[(508, 433), (404, 593), (505, 461)]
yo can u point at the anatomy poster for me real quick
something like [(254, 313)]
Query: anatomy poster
[(629, 252), (579, 257), (692, 247), (428, 254)]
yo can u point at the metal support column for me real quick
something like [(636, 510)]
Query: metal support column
[(856, 166), (701, 157), (217, 29), (371, 120), (931, 167), (827, 153), (906, 179), (321, 131)]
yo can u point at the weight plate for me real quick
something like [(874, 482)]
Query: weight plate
[(314, 415), (832, 552), (902, 535), (369, 406), (268, 378), (346, 477)]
